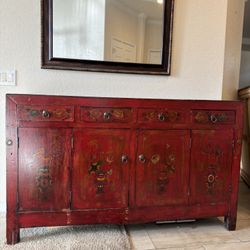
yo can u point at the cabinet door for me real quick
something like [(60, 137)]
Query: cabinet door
[(44, 161), (211, 158), (162, 168), (100, 168)]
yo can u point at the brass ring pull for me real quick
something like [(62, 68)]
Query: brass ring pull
[(46, 114), (106, 115), (211, 178), (142, 158), (213, 118), (124, 158), (161, 117), (9, 142)]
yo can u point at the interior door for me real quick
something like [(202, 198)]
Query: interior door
[(211, 159), (44, 162), (162, 168), (100, 168)]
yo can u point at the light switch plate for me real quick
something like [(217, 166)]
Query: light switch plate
[(7, 77)]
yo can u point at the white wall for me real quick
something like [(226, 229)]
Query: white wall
[(197, 61), (234, 30)]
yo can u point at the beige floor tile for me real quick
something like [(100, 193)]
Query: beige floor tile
[(242, 231), (229, 246), (194, 247), (139, 237), (190, 239), (189, 234), (205, 234)]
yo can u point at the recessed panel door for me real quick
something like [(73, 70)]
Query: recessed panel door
[(44, 162), (162, 168), (211, 159), (100, 168)]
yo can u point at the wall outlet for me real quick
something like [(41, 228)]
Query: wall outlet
[(7, 77)]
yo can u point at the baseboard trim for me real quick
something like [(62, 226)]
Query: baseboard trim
[(245, 176)]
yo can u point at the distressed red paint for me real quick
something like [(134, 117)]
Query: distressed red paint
[(76, 160)]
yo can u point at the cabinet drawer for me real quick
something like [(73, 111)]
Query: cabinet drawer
[(161, 116), (45, 113), (89, 114), (213, 116)]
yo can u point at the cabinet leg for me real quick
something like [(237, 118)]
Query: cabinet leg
[(230, 222), (13, 236)]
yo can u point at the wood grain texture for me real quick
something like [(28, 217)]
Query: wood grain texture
[(161, 180), (44, 165), (135, 168), (99, 175)]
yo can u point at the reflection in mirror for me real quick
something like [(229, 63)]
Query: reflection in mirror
[(109, 30)]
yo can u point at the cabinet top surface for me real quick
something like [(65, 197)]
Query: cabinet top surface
[(120, 101)]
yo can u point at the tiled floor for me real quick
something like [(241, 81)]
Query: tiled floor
[(209, 234)]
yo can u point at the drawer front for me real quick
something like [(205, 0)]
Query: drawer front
[(213, 116), (45, 113), (161, 116), (89, 114)]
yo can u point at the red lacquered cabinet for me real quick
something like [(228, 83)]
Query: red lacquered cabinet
[(78, 160)]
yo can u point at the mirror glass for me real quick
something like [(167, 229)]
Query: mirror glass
[(129, 31)]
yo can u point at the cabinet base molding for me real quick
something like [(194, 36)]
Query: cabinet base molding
[(85, 160), (117, 216)]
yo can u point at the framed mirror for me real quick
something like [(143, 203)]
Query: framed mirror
[(124, 36)]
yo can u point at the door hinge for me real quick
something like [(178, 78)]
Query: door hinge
[(233, 144), (70, 198), (190, 142), (72, 142), (17, 201), (18, 142), (230, 189)]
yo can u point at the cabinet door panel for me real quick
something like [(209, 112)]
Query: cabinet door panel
[(162, 178), (44, 161), (100, 178), (211, 158)]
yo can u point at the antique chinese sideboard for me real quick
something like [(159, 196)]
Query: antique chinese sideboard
[(78, 160)]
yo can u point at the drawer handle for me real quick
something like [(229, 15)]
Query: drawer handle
[(124, 158), (46, 114), (211, 178), (142, 158), (9, 142), (213, 118), (161, 117), (106, 115)]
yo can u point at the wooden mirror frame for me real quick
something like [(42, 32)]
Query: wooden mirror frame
[(50, 62)]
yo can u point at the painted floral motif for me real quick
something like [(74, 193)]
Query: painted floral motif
[(100, 166), (166, 169), (43, 181), (170, 116), (100, 172), (214, 154)]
